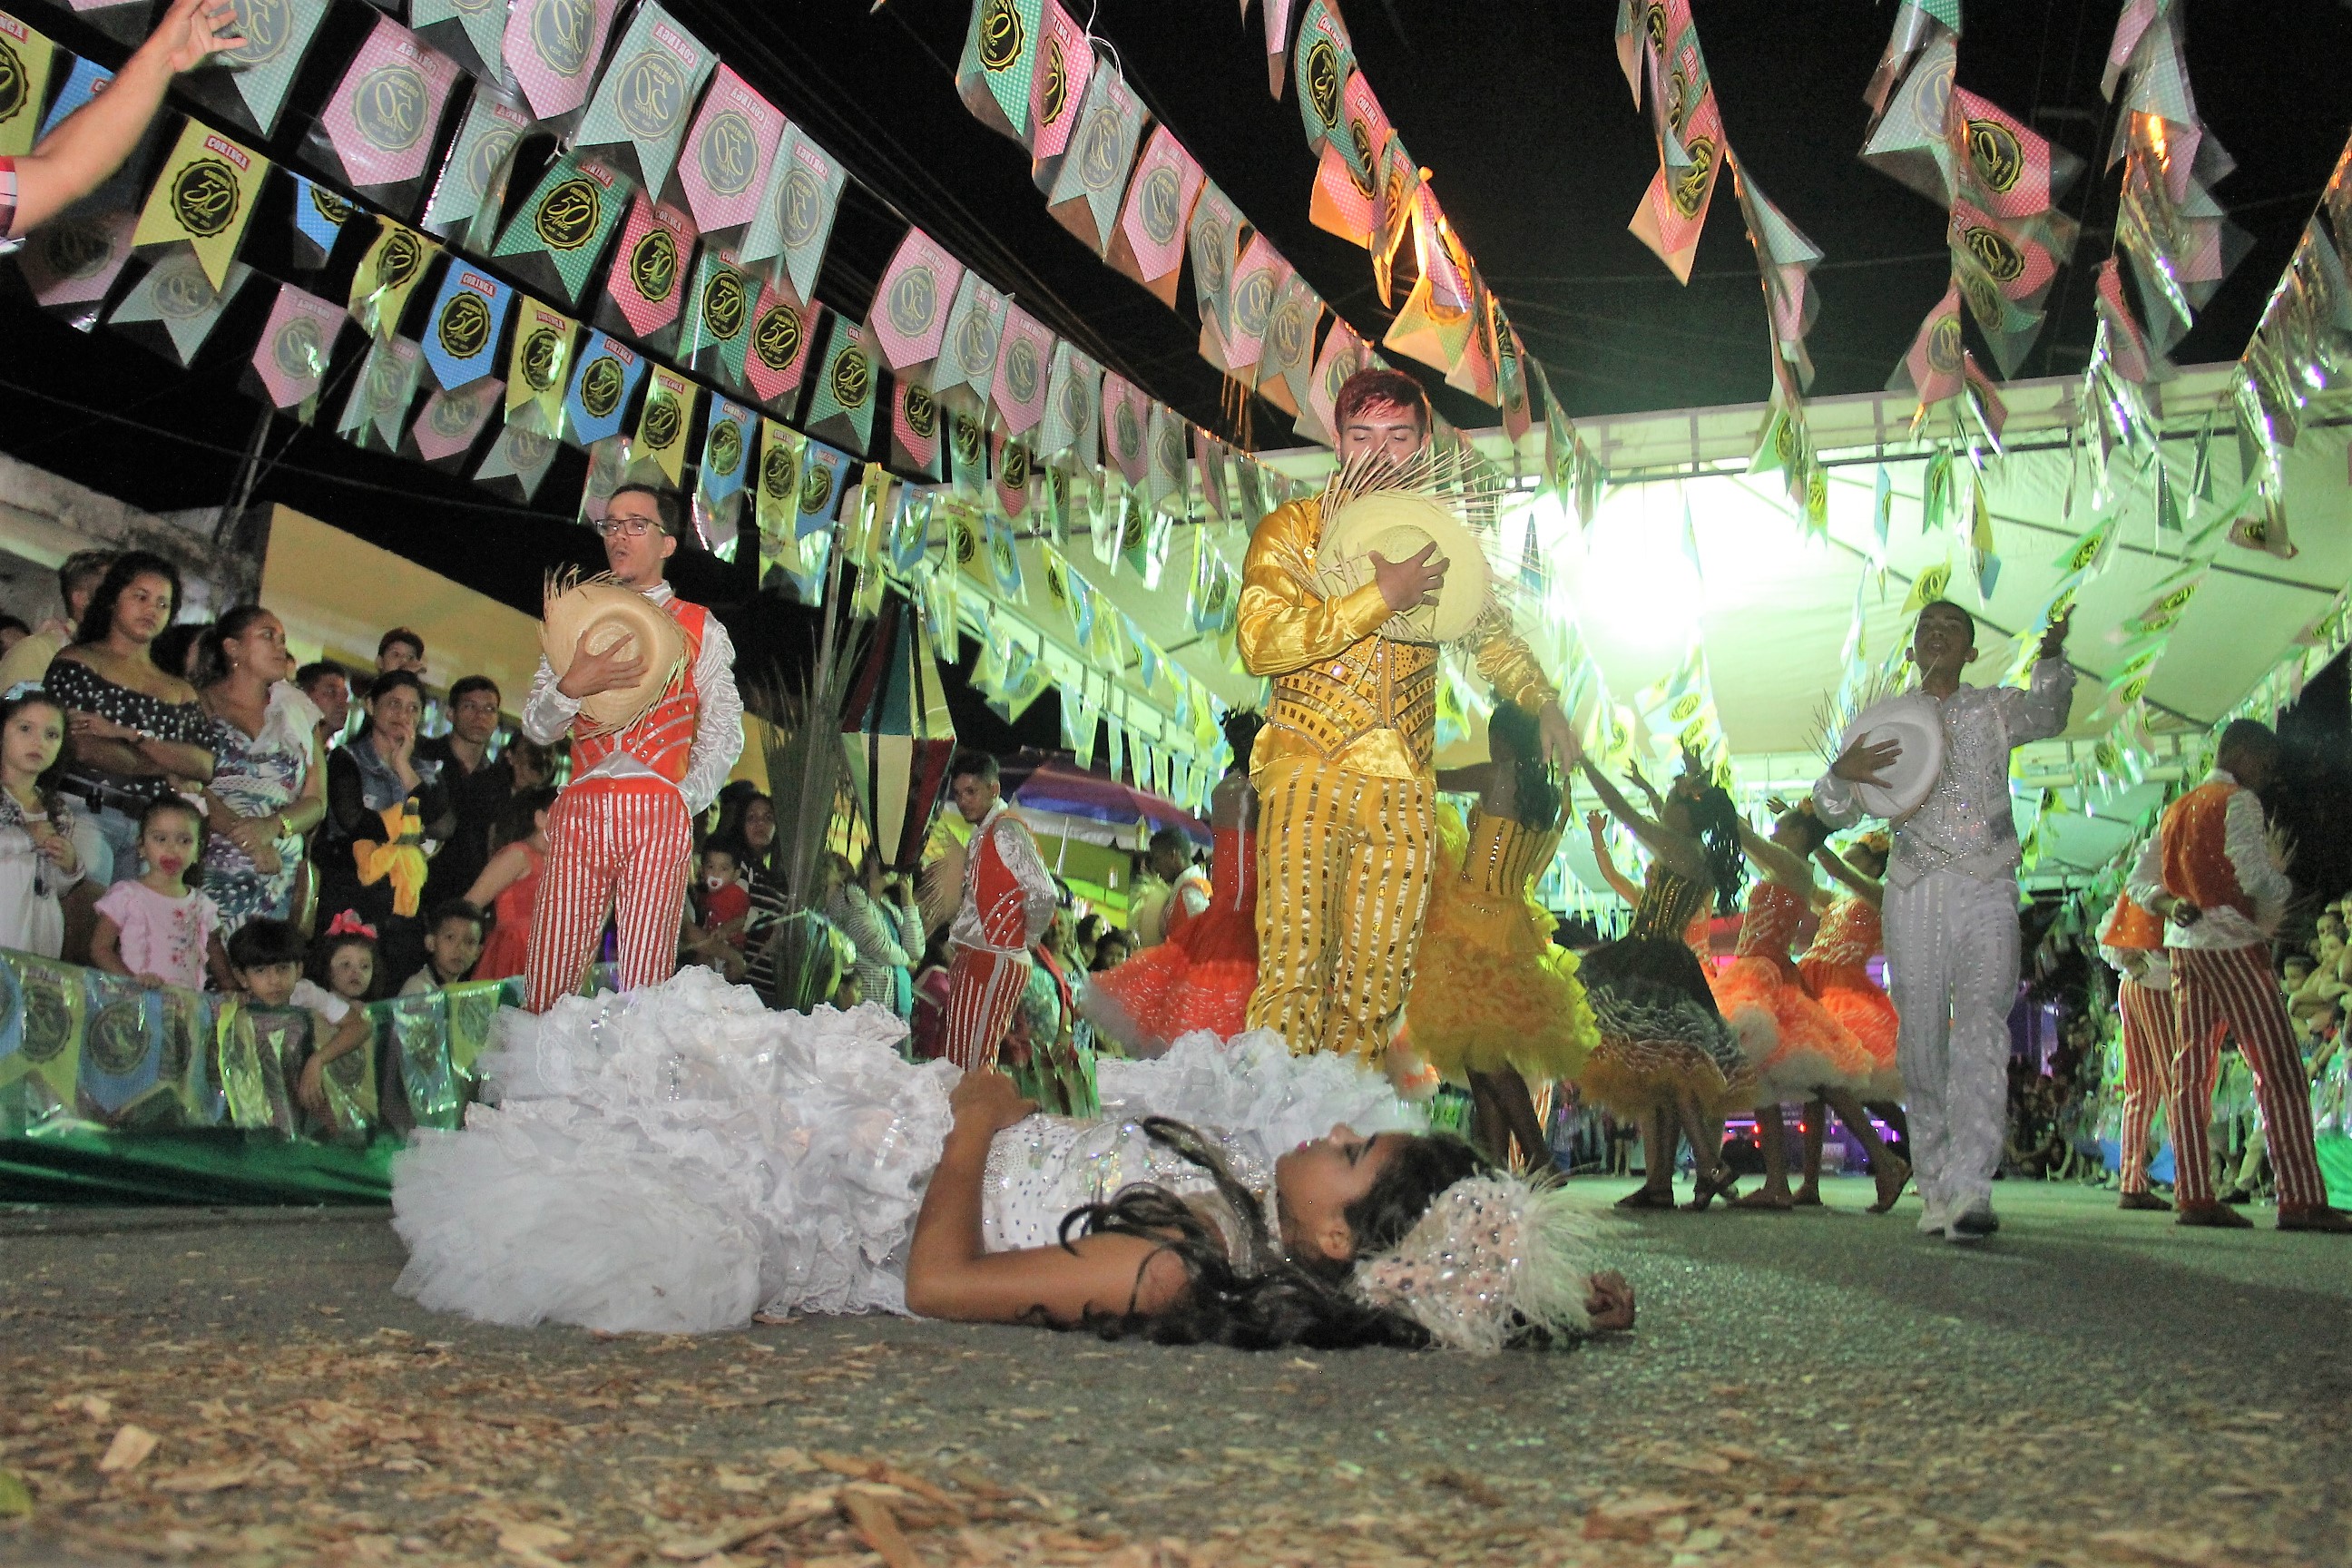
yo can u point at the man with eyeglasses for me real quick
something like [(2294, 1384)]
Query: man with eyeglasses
[(620, 837)]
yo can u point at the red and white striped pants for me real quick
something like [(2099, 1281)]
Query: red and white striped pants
[(983, 990), (2233, 988), (616, 847), (2148, 1071)]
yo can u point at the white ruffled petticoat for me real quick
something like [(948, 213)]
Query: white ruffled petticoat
[(677, 1159)]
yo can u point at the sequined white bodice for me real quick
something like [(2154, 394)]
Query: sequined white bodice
[(1042, 1168)]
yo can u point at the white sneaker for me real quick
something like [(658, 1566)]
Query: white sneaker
[(1931, 1217)]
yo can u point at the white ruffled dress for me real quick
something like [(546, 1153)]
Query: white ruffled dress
[(677, 1159)]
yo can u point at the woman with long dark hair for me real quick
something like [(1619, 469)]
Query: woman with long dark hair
[(134, 733), (1494, 1002), (386, 812), (1665, 1060), (268, 786), (682, 1157)]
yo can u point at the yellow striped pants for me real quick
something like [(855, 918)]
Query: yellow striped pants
[(1344, 866)]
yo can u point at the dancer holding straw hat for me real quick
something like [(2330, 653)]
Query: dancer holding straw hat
[(645, 683), (1344, 599)]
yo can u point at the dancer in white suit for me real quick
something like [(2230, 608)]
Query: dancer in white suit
[(1951, 911)]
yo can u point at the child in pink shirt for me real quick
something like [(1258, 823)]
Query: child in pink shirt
[(155, 929)]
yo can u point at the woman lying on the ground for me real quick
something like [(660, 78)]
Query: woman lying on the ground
[(681, 1158)]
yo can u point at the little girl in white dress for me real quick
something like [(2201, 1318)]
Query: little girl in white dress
[(680, 1158)]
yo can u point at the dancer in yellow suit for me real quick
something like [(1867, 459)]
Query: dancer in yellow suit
[(1347, 827)]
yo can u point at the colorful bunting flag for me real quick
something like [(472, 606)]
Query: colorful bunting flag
[(1126, 413), (552, 50), (176, 294), (1000, 57), (520, 456), (319, 216), (915, 429), (381, 117), (648, 282), (296, 340), (776, 357), (377, 408), (1324, 58), (538, 367), (205, 197), (1164, 489), (1347, 178), (911, 303), (1058, 84), (387, 275), (452, 420), (1149, 245), (1025, 353), (1287, 364), (607, 374), (1071, 422), (471, 32), (1004, 563), (564, 226), (824, 473), (728, 155), (461, 333), (278, 34), (666, 421), (726, 451), (975, 330), (473, 181), (842, 405), (1085, 197), (641, 101), (794, 220)]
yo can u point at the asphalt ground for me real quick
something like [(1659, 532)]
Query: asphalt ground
[(1821, 1387)]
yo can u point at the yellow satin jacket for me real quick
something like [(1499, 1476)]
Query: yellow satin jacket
[(1343, 694)]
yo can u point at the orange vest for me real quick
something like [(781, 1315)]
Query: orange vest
[(2131, 928), (662, 737), (2196, 850)]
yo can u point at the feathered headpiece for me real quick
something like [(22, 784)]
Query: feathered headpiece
[(1496, 1257)]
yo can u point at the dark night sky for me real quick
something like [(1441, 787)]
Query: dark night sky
[(1517, 105)]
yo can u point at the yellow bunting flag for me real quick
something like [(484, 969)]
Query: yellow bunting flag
[(1927, 587), (664, 423), (26, 57), (204, 197), (538, 365), (388, 273)]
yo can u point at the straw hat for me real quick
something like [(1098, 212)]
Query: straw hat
[(610, 613), (1398, 524)]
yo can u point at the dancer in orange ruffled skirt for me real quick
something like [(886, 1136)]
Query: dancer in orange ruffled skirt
[(1202, 976), (1799, 1050), (1835, 972)]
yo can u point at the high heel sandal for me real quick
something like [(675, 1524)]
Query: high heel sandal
[(1721, 1185), (1902, 1173)]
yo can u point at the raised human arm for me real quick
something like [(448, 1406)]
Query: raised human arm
[(1681, 855), (504, 869), (1782, 865), (2040, 711), (74, 159), (1280, 625), (951, 1275), (1868, 889), (1510, 667), (1595, 823)]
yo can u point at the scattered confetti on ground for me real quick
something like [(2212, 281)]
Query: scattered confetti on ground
[(2093, 1388)]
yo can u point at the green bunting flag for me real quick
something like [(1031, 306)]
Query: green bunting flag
[(841, 405), (776, 500), (203, 197), (518, 460), (718, 326), (999, 53), (26, 58), (176, 294), (640, 108), (472, 185), (377, 409), (559, 235), (471, 32), (277, 33), (1084, 198), (794, 222), (726, 451)]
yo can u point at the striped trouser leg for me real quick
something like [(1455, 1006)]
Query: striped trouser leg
[(1382, 895), (983, 990), (2148, 1072), (2197, 1024), (653, 844), (2234, 986), (1300, 848), (575, 894)]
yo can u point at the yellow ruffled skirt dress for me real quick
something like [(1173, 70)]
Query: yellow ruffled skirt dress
[(1490, 988)]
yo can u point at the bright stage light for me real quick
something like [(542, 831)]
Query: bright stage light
[(1633, 590)]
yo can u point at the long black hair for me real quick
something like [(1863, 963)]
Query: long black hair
[(1715, 820), (1536, 790), (1289, 1301), (211, 644), (1241, 727), (130, 566)]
